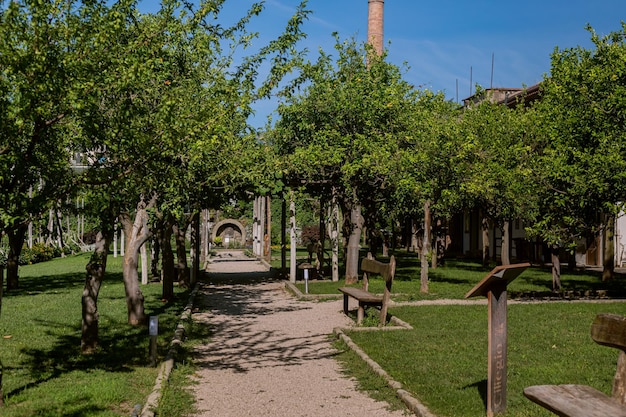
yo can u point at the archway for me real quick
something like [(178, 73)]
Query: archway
[(231, 232)]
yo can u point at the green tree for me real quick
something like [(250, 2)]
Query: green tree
[(500, 181), (35, 65), (427, 172), (167, 107), (340, 130), (582, 158)]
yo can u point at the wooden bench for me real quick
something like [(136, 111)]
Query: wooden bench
[(371, 266), (582, 400)]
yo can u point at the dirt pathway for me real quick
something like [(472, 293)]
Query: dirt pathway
[(270, 355)]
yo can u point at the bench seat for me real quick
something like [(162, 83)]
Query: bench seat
[(364, 298), (582, 400), (362, 295), (575, 401), (370, 266)]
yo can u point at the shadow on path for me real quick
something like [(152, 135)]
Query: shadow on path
[(254, 323)]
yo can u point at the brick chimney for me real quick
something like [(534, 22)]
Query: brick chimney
[(375, 24)]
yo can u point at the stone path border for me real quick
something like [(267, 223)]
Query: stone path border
[(413, 404), (152, 402)]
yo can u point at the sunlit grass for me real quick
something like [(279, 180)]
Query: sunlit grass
[(40, 325), (443, 360), (456, 278)]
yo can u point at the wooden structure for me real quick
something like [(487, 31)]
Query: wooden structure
[(582, 400), (371, 266), (493, 286)]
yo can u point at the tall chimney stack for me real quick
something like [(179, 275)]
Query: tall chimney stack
[(375, 24)]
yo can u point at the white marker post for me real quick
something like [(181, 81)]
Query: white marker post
[(153, 331)]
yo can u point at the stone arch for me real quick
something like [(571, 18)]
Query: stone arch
[(230, 230)]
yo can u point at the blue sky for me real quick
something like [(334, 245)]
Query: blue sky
[(445, 42)]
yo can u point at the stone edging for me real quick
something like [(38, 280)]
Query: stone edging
[(152, 402), (411, 402), (301, 296)]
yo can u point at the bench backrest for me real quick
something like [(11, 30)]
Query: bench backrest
[(610, 330), (370, 266)]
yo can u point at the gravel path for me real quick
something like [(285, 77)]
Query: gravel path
[(269, 354)]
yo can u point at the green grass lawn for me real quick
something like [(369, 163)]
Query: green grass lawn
[(443, 360), (456, 278), (40, 329)]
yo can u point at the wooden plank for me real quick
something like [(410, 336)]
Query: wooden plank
[(575, 401), (501, 273), (497, 350), (619, 382), (362, 295), (609, 330), (386, 270)]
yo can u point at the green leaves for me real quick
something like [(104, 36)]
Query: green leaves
[(581, 163)]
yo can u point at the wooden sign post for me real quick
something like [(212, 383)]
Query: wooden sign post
[(493, 286)]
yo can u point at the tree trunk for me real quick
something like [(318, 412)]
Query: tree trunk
[(292, 238), (354, 240), (195, 249), (267, 238), (167, 262), (485, 227), (414, 245), (425, 249), (155, 255), (505, 249), (96, 269), (333, 229), (608, 258), (435, 244), (181, 255), (16, 242), (138, 233), (283, 236), (144, 263), (556, 268)]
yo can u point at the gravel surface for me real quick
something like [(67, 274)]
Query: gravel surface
[(269, 354)]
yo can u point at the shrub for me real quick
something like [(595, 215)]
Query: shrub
[(40, 252)]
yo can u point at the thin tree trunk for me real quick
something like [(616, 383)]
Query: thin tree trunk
[(485, 230), (505, 250), (267, 239), (181, 254), (608, 259), (556, 268), (333, 228), (292, 238), (16, 242), (435, 244), (96, 269), (354, 240), (144, 263), (167, 260), (155, 255), (196, 242), (425, 249), (59, 228), (414, 245), (283, 237)]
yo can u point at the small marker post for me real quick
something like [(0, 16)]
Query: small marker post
[(153, 331)]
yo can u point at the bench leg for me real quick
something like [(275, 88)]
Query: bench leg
[(345, 304), (360, 314)]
